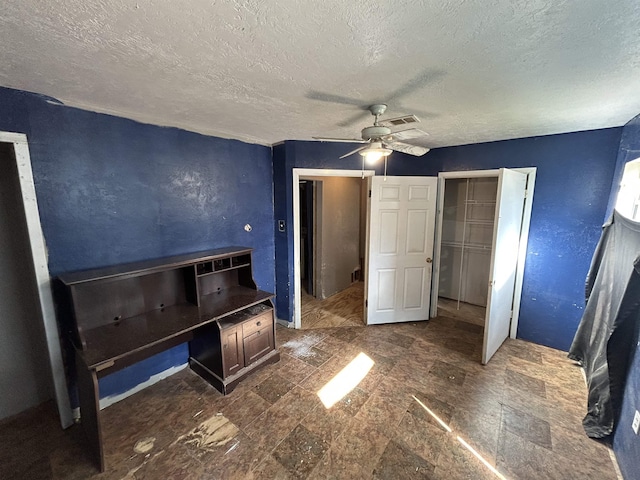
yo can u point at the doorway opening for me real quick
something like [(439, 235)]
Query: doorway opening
[(32, 325), (312, 265), (332, 218)]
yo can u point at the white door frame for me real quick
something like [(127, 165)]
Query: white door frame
[(41, 269), (300, 174), (524, 236)]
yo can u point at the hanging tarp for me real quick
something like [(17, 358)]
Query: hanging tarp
[(607, 332)]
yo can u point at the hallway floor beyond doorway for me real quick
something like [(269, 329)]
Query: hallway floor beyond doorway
[(344, 309)]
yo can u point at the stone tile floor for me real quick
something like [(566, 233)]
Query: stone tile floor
[(521, 413)]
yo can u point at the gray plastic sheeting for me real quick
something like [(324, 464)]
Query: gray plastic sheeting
[(606, 336)]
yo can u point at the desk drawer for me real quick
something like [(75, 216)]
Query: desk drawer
[(264, 321)]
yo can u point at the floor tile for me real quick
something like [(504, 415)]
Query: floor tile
[(439, 408), (329, 423), (273, 388), (246, 408), (270, 469), (460, 346), (298, 403), (457, 462), (352, 402), (381, 414), (527, 426), (300, 451), (347, 334), (295, 370), (521, 459), (525, 383), (398, 462), (448, 372), (362, 444), (270, 428), (314, 356), (421, 437)]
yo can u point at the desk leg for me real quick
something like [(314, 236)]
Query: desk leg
[(90, 409)]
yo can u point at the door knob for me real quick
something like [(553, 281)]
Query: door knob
[(429, 260)]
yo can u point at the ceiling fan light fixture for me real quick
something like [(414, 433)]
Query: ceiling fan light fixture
[(375, 152)]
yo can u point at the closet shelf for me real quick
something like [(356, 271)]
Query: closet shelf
[(472, 202), (479, 222), (473, 246)]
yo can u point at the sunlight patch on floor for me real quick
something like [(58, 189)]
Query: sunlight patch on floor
[(481, 458), (345, 380), (436, 418), (448, 429)]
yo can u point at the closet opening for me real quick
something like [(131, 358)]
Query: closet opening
[(465, 257), (480, 252)]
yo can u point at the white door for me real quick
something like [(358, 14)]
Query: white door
[(402, 222), (504, 259)]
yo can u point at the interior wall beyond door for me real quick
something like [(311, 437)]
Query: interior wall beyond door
[(340, 234), (24, 376)]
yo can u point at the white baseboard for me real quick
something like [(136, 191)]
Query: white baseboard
[(284, 323)]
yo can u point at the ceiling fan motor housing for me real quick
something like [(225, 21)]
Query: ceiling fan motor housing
[(375, 132)]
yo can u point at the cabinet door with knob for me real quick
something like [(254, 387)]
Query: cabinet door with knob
[(232, 350)]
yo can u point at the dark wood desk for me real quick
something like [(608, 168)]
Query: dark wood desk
[(117, 316)]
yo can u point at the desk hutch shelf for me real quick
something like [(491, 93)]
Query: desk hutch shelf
[(117, 316)]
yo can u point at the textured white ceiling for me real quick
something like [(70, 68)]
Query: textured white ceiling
[(266, 71)]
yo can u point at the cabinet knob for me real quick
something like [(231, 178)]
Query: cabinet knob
[(258, 324), (225, 345), (429, 260)]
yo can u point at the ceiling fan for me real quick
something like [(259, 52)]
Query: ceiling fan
[(380, 140)]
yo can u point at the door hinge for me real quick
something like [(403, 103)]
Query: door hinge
[(526, 193), (366, 303), (369, 193)]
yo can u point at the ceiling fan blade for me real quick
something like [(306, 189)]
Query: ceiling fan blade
[(328, 97), (408, 134), (406, 148), (352, 152), (354, 119), (422, 79), (346, 140)]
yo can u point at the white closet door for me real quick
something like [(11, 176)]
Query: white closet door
[(504, 259), (400, 248)]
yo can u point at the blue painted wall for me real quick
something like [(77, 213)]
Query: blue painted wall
[(111, 191), (571, 195), (573, 182), (626, 444)]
